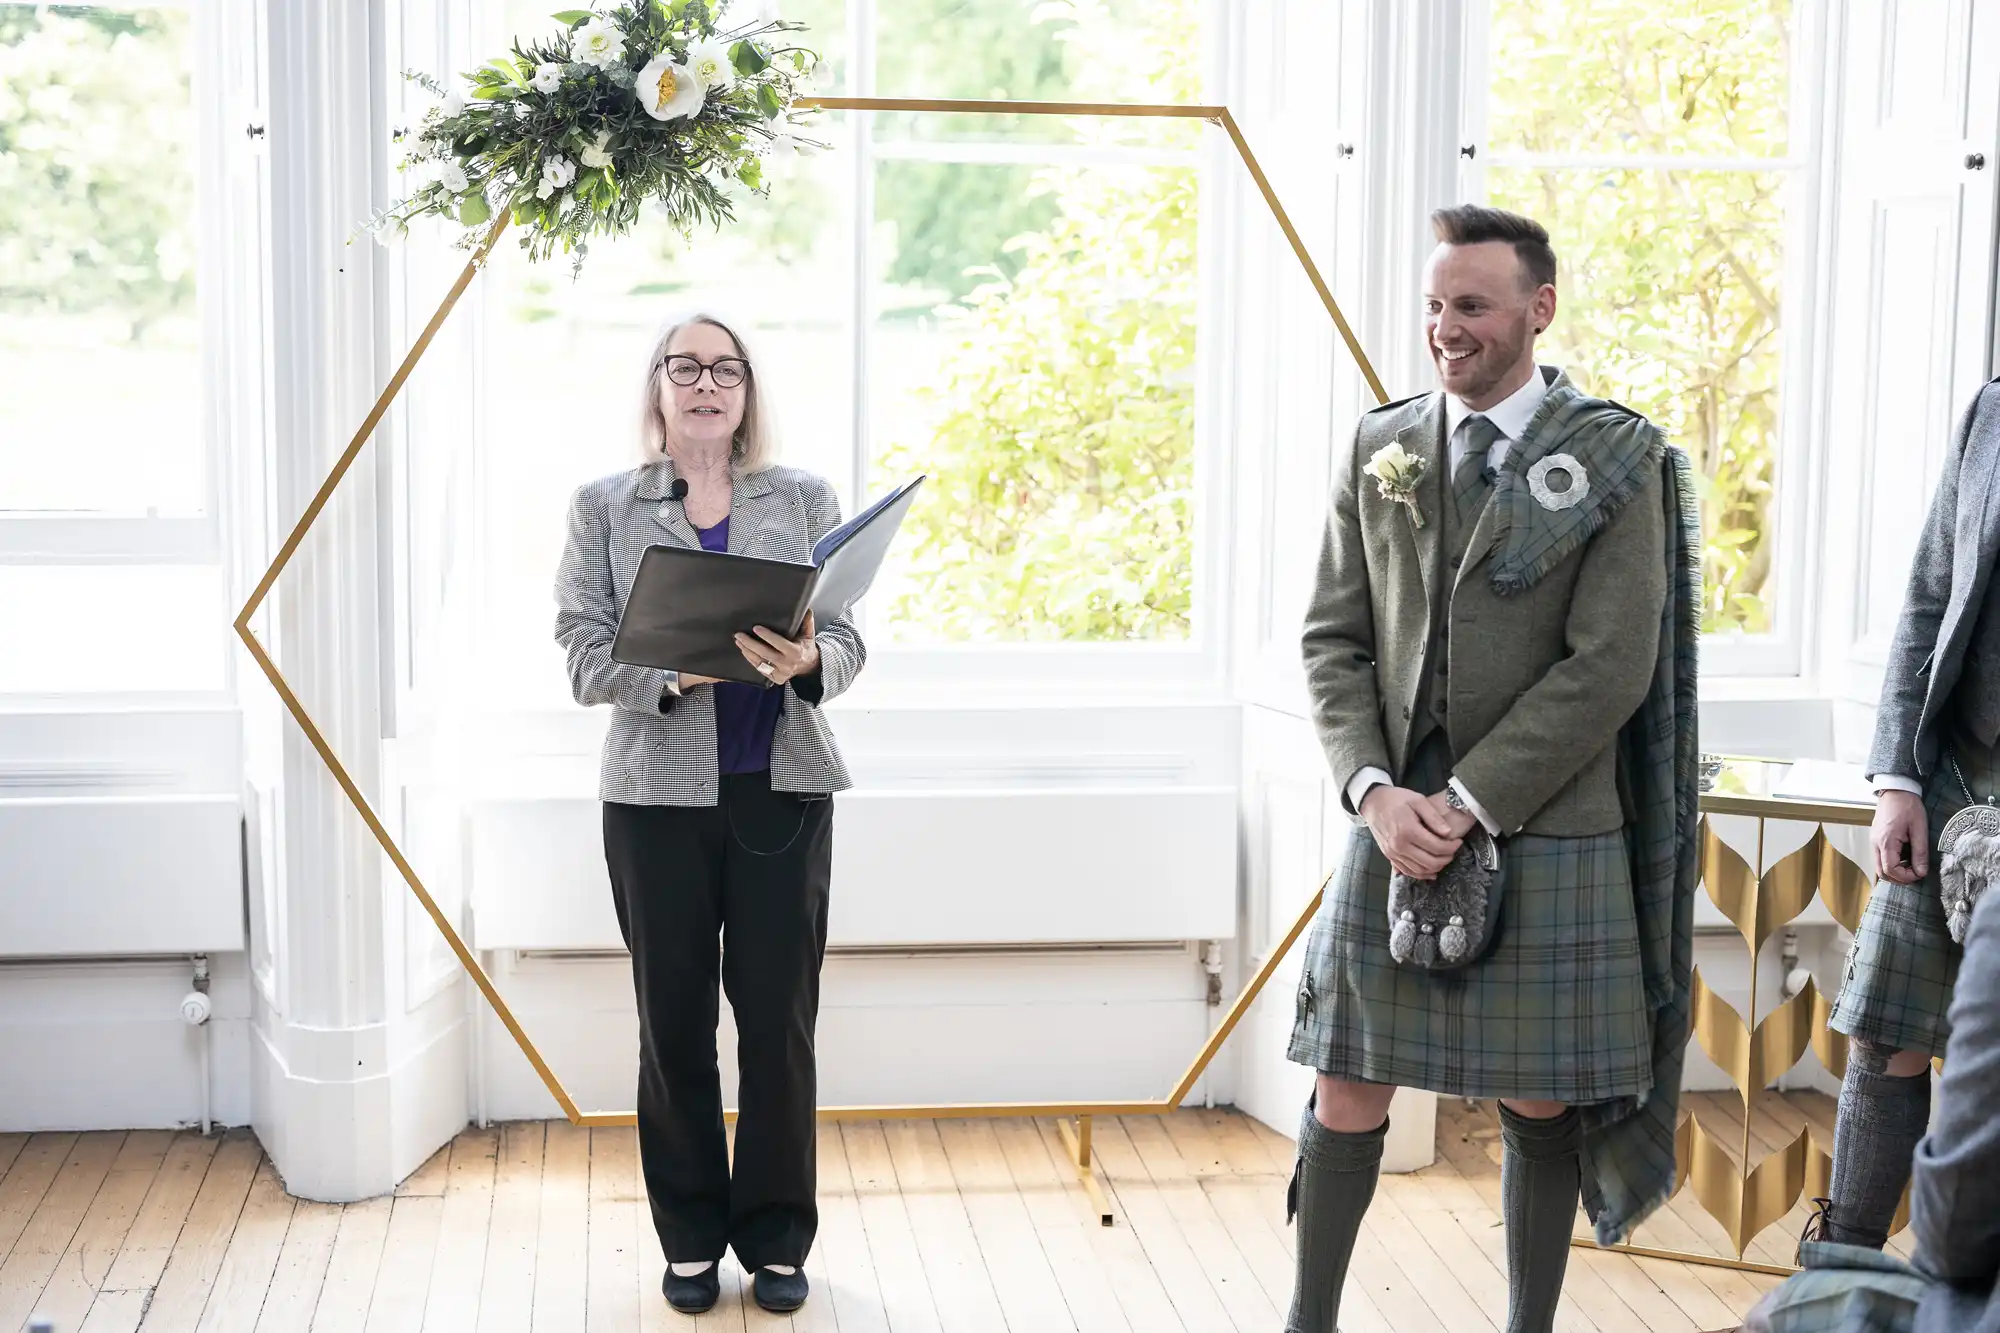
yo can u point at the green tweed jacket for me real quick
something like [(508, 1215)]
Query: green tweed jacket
[(1553, 617)]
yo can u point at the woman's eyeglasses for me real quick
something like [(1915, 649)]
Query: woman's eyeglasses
[(727, 371)]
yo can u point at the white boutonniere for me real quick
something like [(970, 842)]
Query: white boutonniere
[(1397, 471)]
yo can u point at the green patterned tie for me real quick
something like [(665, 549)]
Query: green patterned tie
[(1468, 483)]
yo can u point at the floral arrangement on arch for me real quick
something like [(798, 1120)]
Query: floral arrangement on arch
[(644, 100)]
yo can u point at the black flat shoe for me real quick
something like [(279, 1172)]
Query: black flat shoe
[(780, 1293), (696, 1294)]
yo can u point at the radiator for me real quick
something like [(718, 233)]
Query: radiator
[(110, 875)]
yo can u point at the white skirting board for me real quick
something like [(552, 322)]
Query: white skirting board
[(911, 867), (891, 1030)]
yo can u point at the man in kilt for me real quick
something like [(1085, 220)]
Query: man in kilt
[(1502, 631), (1936, 732)]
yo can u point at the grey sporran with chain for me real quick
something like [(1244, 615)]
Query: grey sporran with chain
[(1449, 922), (1968, 857)]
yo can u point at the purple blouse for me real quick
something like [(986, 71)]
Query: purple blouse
[(746, 716)]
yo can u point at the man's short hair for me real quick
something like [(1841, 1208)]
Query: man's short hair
[(1473, 224)]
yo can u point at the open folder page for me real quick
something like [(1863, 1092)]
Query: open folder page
[(687, 606)]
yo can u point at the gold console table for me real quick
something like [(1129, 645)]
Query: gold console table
[(1745, 1195)]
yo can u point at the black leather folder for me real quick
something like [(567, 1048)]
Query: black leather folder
[(687, 606)]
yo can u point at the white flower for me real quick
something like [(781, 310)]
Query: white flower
[(598, 43), (710, 64), (1396, 472), (389, 233), (597, 152), (669, 91), (782, 143), (557, 173), (452, 176), (548, 77), (451, 104)]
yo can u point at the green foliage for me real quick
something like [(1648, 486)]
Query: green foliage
[(1062, 460), (1061, 422), (578, 157), (1670, 288), (96, 169)]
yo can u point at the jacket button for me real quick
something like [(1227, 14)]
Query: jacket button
[(1406, 712), (1455, 560)]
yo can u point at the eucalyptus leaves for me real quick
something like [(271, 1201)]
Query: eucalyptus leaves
[(624, 104)]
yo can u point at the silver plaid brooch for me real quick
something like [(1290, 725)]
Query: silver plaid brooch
[(1558, 482)]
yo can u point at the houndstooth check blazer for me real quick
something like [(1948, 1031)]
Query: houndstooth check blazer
[(655, 757)]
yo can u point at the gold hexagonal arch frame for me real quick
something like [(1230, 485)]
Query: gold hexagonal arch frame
[(1074, 1117)]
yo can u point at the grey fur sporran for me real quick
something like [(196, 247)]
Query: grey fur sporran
[(1449, 922), (1968, 857)]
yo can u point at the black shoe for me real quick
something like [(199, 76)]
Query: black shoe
[(780, 1293), (695, 1294)]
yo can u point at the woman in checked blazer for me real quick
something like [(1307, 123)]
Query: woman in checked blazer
[(718, 820)]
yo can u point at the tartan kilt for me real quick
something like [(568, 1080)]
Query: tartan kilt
[(1557, 1011), (1901, 968)]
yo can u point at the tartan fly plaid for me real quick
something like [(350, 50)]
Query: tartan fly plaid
[(1903, 963)]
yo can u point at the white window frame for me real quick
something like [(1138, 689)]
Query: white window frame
[(227, 316), (899, 674), (1781, 653)]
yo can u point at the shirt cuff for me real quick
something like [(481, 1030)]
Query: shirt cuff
[(1478, 811), (1362, 783), (1895, 782)]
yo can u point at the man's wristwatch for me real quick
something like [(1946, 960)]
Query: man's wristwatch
[(672, 690), (1455, 801)]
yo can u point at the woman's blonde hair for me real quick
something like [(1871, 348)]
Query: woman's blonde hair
[(753, 448)]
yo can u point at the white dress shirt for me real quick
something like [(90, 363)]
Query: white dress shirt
[(1511, 416)]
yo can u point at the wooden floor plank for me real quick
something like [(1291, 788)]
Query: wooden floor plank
[(301, 1268), (841, 1267), (1176, 1179), (409, 1255), (459, 1263), (1039, 1153), (150, 1242), (1023, 1280), (507, 1282), (959, 1280), (353, 1266), (430, 1179), (611, 1304), (80, 1273), (899, 1267), (562, 1246), (1050, 1200), (10, 1147), (53, 1225), (115, 1312), (205, 1237), (1139, 1203), (251, 1263), (33, 1171)]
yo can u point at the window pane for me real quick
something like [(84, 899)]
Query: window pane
[(1031, 50), (100, 402), (1633, 76), (1050, 398), (1670, 299), (113, 627)]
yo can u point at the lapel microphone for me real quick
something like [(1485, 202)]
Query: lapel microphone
[(679, 490)]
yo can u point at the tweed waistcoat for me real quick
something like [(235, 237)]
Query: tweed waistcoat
[(1466, 491)]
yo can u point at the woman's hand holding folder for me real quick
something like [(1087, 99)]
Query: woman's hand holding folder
[(777, 658)]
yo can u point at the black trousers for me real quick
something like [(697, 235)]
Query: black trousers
[(754, 873)]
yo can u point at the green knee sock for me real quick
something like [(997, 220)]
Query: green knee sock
[(1540, 1176), (1331, 1188)]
